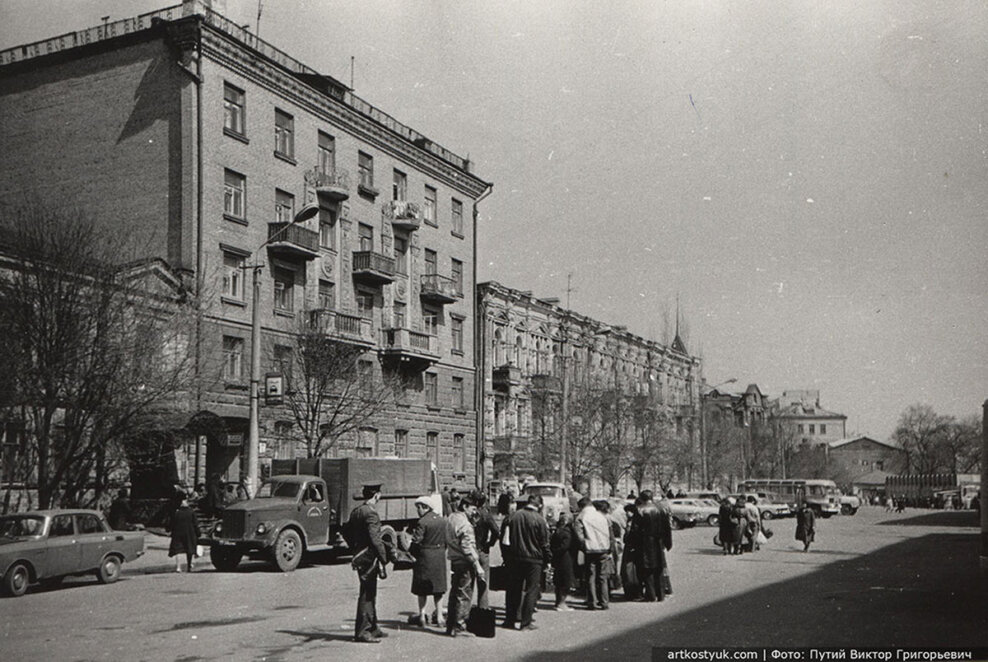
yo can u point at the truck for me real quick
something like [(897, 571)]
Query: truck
[(305, 504), (919, 490)]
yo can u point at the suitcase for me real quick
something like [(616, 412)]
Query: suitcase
[(481, 622)]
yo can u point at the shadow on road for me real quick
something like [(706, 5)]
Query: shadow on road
[(921, 592), (968, 518)]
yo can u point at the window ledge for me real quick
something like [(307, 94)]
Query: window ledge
[(433, 407), (434, 224), (284, 157), (285, 313), (459, 410), (458, 235), (234, 302), (236, 136), (369, 191), (235, 219), (236, 386), (456, 352)]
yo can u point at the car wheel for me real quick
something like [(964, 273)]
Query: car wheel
[(713, 520), (287, 550), (676, 525), (109, 570), (16, 581), (224, 559), (767, 514)]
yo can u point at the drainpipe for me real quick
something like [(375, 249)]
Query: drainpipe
[(479, 351)]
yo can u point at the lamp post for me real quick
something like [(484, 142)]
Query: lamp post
[(703, 433), (253, 427)]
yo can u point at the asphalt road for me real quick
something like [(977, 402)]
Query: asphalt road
[(875, 579)]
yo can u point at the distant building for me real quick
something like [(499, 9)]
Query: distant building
[(799, 413), (863, 455)]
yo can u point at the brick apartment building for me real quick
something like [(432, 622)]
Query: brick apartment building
[(202, 142), (536, 353)]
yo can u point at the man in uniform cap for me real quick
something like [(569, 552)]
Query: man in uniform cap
[(365, 532)]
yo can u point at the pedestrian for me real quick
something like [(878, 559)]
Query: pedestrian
[(651, 538), (739, 522), (486, 532), (369, 559), (464, 562), (564, 546), (215, 495), (594, 533), (726, 525), (185, 535), (609, 565), (752, 524), (805, 525), (504, 503), (900, 504), (120, 511), (665, 511), (629, 573), (429, 549), (526, 542)]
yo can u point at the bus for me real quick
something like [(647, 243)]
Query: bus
[(820, 494)]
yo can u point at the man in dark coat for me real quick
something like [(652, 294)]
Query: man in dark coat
[(526, 541), (120, 511), (365, 536), (652, 539), (564, 546), (805, 525), (486, 533), (185, 535)]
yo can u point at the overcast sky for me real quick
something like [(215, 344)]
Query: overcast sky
[(810, 179)]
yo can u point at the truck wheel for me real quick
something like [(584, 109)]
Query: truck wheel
[(287, 550), (224, 559), (16, 581)]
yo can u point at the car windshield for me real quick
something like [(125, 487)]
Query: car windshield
[(279, 489), (544, 490), (21, 526)]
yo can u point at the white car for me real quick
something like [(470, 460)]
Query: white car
[(706, 511)]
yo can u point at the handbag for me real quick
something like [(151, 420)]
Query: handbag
[(760, 538), (403, 560), (365, 563), (481, 622)]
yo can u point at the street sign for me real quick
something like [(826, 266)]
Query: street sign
[(274, 388)]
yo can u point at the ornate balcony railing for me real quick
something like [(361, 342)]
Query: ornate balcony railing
[(419, 349), (506, 377), (347, 328), (331, 184), (404, 214), (439, 289), (373, 267), (293, 241)]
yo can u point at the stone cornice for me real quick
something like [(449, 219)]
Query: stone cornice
[(229, 53)]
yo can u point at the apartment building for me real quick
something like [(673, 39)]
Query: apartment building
[(541, 367), (799, 411), (223, 155)]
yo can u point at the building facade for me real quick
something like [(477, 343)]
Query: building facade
[(204, 143), (544, 371), (858, 456), (799, 411)]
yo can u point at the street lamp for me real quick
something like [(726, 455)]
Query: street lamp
[(703, 433), (307, 212)]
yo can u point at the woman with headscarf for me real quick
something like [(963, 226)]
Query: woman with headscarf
[(429, 549), (564, 546), (805, 525), (727, 525)]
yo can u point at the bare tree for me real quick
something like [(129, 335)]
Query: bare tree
[(961, 445), (97, 347), (921, 433), (334, 392)]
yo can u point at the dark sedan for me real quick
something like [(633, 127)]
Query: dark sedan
[(44, 546)]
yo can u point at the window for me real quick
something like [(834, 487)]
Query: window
[(823, 428), (88, 524), (366, 442), (233, 109), (284, 289), (431, 380), (456, 271), (457, 325), (399, 315), (430, 206), (327, 229), (61, 525), (327, 295), (327, 153), (458, 392), (233, 359), (234, 194), (430, 318), (799, 428), (432, 446), (456, 212), (284, 206), (365, 303), (283, 361), (366, 234), (286, 442), (401, 255), (284, 134), (365, 373), (430, 261), (812, 429), (365, 164), (401, 443), (399, 186), (459, 453), (233, 276)]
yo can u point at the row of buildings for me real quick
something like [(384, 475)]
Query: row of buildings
[(268, 188)]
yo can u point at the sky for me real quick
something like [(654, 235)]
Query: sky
[(809, 180)]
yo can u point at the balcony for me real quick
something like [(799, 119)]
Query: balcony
[(546, 385), (439, 289), (373, 268), (506, 377), (417, 350), (332, 185), (293, 241), (403, 214), (340, 326)]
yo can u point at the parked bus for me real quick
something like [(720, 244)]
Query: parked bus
[(820, 494)]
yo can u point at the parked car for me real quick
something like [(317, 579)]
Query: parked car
[(768, 508), (715, 496), (684, 515), (45, 546), (706, 510)]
